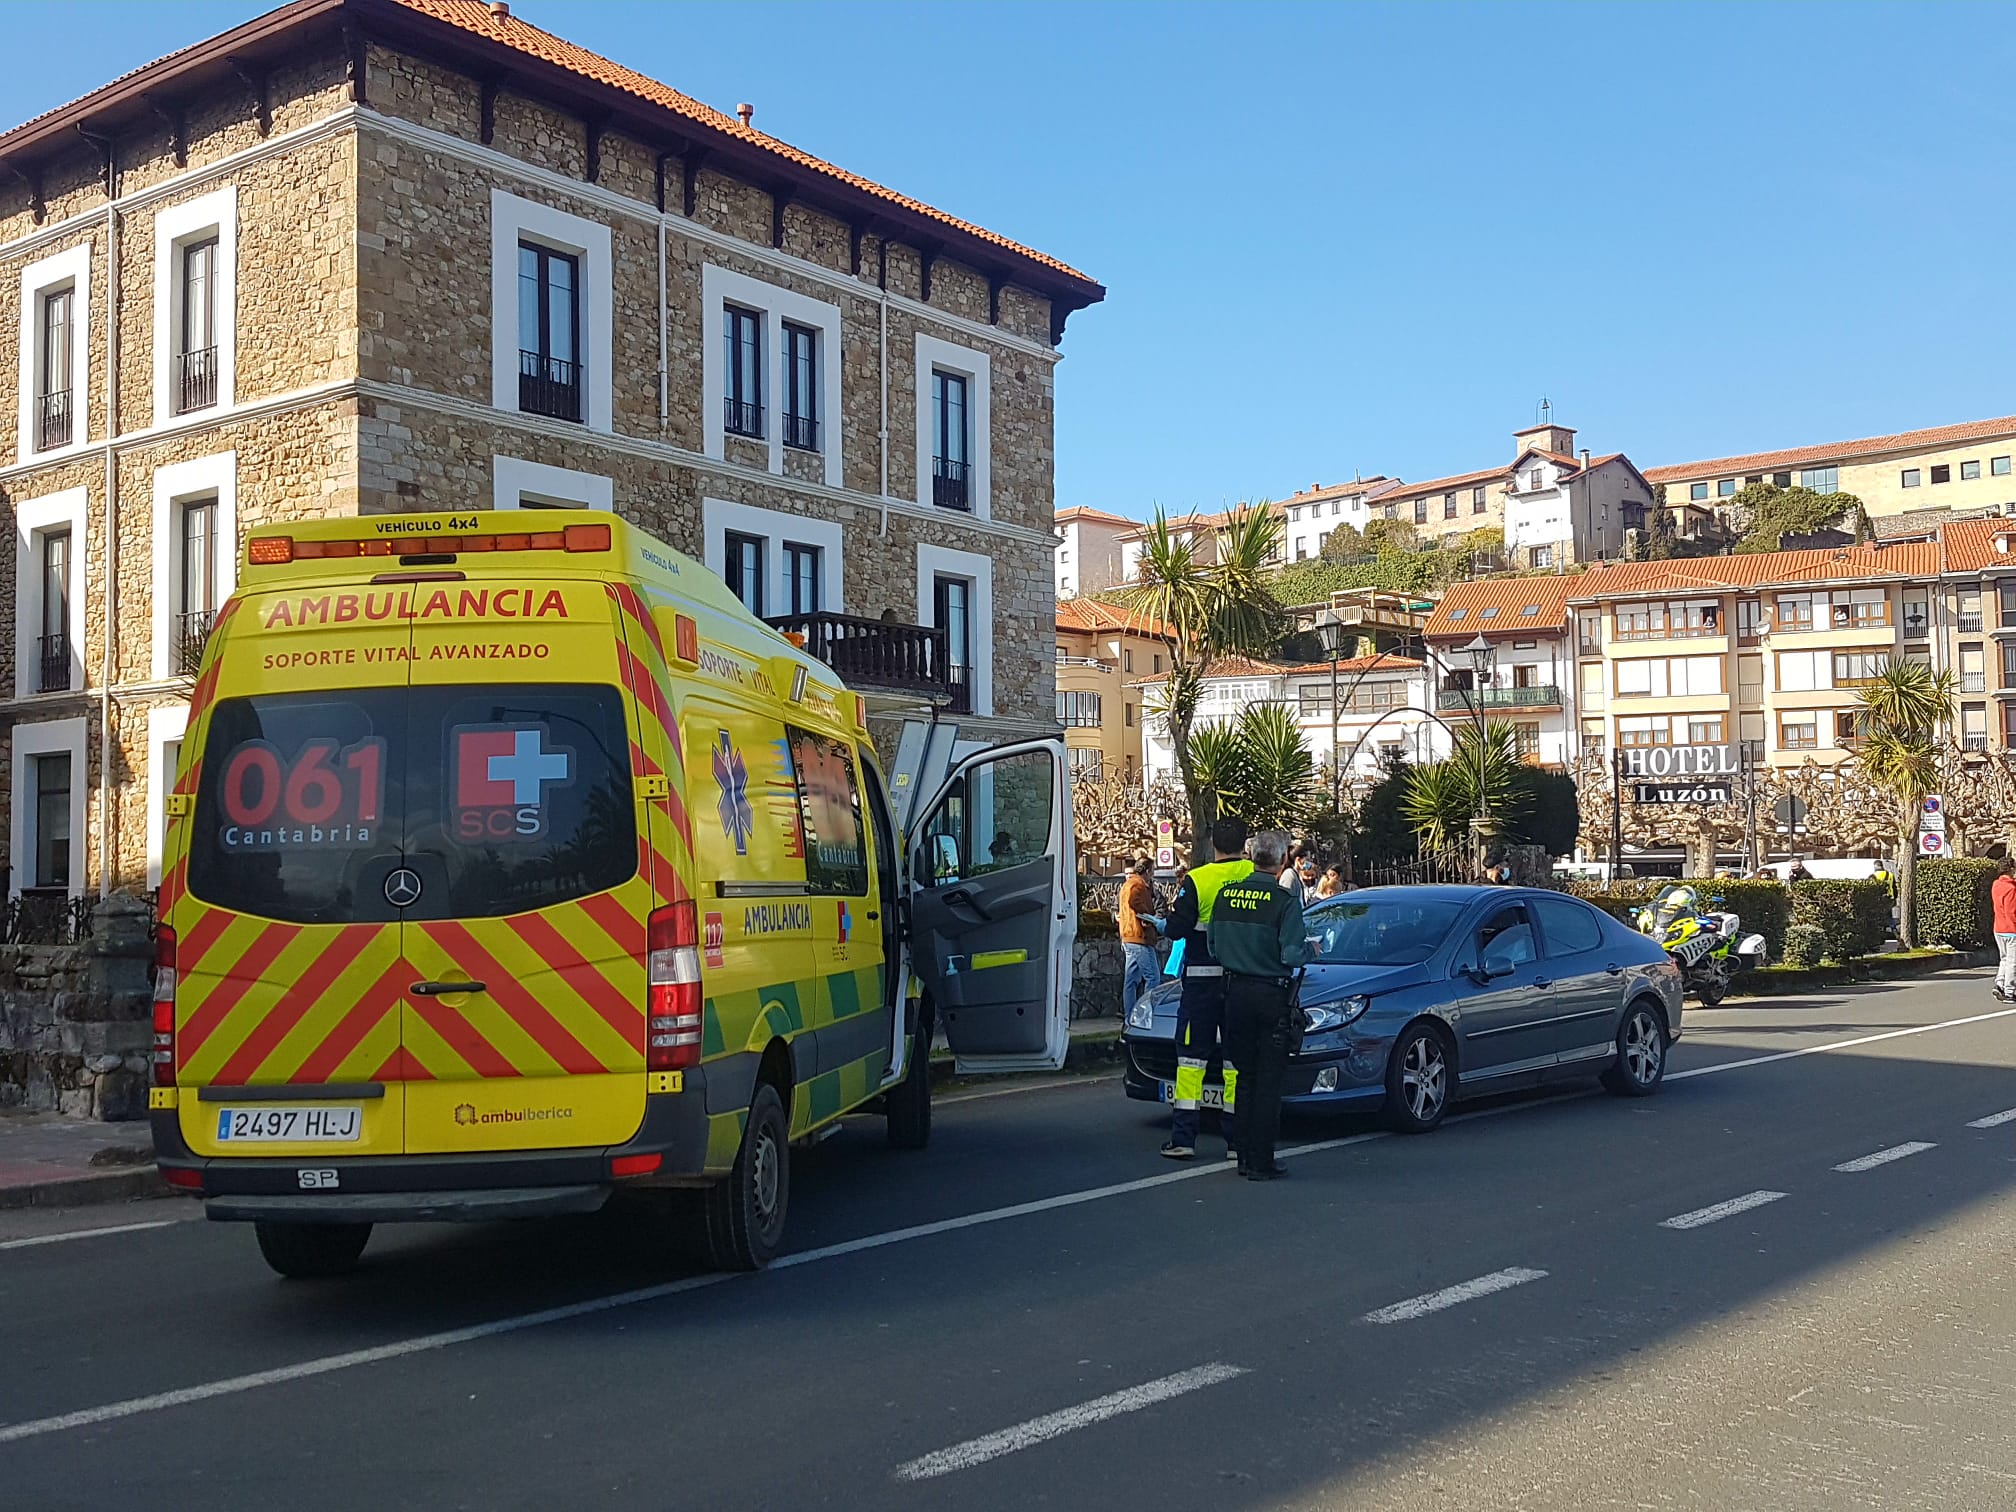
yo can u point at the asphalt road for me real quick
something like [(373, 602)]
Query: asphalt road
[(1783, 1283)]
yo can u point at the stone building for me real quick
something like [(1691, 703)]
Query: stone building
[(404, 255)]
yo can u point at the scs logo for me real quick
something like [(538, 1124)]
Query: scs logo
[(501, 776)]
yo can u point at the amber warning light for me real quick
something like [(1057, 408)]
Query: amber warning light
[(277, 551)]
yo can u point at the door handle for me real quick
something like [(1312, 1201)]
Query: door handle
[(443, 989), (1614, 970), (1543, 981), (873, 916)]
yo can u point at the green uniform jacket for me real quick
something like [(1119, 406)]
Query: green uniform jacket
[(1257, 930)]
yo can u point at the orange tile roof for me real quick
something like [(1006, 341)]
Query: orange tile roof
[(1847, 564), (1371, 487), (1868, 446), (1970, 544), (1087, 616), (1443, 485), (1246, 666), (1463, 610), (495, 26), (1094, 516)]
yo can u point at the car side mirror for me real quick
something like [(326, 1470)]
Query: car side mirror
[(944, 859)]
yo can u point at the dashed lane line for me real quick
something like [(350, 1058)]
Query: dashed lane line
[(1452, 1296), (1847, 1044), (1884, 1157), (1065, 1420), (90, 1233), (1701, 1217), (1994, 1120)]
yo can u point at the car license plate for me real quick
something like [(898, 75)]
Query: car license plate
[(1214, 1097), (325, 1125)]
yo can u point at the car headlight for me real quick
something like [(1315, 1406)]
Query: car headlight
[(1334, 1015), (1141, 1015)]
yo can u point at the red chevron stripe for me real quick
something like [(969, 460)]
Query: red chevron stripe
[(295, 1004), (478, 1053), (504, 989), (401, 1067), (373, 1003), (625, 929), (585, 979), (246, 971)]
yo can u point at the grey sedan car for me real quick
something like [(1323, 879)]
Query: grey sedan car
[(1418, 996)]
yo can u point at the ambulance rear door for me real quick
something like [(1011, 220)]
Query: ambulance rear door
[(993, 907)]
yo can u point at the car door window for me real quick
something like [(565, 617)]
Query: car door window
[(1570, 928), (1505, 941)]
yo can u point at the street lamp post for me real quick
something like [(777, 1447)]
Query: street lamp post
[(1480, 654), (1330, 625)]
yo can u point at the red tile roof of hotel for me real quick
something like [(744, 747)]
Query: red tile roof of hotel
[(1868, 446), (1611, 580)]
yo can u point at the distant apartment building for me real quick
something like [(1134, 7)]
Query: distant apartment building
[(1554, 508), (383, 256), (1202, 533), (1088, 550), (1962, 467), (1104, 654), (1499, 651), (1309, 516)]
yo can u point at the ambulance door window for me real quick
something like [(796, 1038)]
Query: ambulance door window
[(852, 1017)]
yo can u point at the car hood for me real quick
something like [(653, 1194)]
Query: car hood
[(1324, 984)]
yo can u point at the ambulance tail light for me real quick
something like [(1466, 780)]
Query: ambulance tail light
[(672, 1031), (164, 1007)]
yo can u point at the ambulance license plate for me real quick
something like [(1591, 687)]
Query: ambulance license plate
[(324, 1125), (1214, 1097)]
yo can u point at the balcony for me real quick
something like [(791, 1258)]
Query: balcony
[(801, 432), (881, 655), (1095, 663), (195, 379), (951, 484), (52, 420), (549, 386), (1545, 696), (741, 418), (54, 655), (1665, 632), (192, 633)]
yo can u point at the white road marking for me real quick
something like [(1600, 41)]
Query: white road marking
[(1884, 1157), (1847, 1044), (1043, 1086), (117, 1228), (1702, 1216), (1055, 1424), (1994, 1120), (1450, 1296)]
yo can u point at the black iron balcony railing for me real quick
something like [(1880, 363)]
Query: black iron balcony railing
[(52, 420), (1545, 696), (881, 654), (192, 633), (801, 431), (742, 418), (195, 379), (55, 668), (951, 483), (549, 386)]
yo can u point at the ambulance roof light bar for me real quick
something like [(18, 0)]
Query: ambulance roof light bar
[(279, 550)]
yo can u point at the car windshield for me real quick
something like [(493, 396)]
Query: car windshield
[(1392, 931)]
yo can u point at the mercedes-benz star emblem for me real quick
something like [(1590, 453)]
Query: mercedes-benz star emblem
[(402, 888)]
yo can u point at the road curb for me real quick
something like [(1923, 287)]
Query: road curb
[(87, 1191), (1779, 982)]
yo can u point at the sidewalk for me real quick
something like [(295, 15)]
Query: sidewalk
[(50, 1161)]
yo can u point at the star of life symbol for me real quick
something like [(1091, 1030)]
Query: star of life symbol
[(731, 775)]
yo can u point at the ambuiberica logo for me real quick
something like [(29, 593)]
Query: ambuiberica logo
[(469, 1116)]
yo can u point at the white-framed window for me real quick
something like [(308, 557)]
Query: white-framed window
[(195, 557), (165, 728), (46, 842), (772, 560), (196, 305), (552, 313), (518, 484), (55, 354), (954, 425), (1805, 671), (49, 593), (769, 369), (955, 592)]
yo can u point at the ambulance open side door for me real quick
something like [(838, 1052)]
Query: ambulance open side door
[(992, 907)]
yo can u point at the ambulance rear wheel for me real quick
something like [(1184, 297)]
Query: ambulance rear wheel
[(745, 1213), (305, 1251), (908, 1103)]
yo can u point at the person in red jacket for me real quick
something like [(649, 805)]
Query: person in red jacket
[(2003, 894)]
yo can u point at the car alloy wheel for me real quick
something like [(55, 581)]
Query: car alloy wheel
[(1644, 1047), (1424, 1078)]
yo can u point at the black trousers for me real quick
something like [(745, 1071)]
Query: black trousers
[(1256, 1041)]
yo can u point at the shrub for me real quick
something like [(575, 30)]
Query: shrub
[(1763, 906), (1623, 906), (1853, 917), (1805, 945), (1953, 903), (1097, 924)]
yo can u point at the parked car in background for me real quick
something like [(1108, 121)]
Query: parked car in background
[(1419, 996)]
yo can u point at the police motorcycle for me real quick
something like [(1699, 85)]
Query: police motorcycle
[(1709, 947)]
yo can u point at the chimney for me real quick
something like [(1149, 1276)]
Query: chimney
[(1585, 459), (746, 111), (500, 10)]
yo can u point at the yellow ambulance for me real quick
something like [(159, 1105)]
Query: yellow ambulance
[(512, 862)]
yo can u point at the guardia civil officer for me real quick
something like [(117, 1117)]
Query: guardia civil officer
[(1200, 1018), (1256, 935)]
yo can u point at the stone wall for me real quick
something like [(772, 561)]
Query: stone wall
[(76, 1020), (1098, 967)]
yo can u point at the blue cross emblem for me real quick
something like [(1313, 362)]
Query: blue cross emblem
[(731, 774)]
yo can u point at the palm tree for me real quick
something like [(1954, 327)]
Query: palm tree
[(1441, 798), (1278, 787), (1203, 611), (1903, 709)]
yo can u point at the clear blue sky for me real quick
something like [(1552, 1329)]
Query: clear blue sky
[(1371, 238)]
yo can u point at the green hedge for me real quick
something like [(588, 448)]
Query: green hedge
[(1853, 917), (1763, 906), (1953, 904)]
